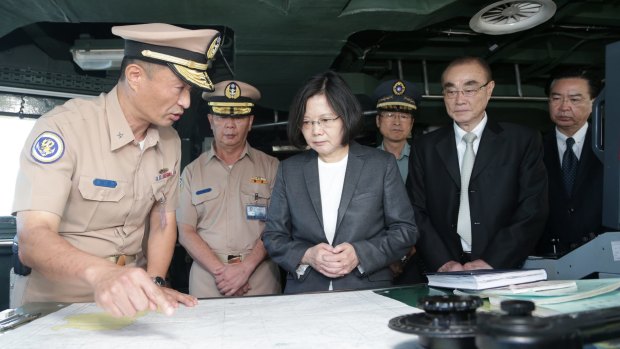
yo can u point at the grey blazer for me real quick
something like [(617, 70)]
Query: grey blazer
[(375, 216)]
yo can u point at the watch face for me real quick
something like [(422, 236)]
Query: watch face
[(158, 280)]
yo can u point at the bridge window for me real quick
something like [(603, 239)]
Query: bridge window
[(13, 133)]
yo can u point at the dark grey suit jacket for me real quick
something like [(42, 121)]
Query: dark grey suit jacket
[(507, 196), (375, 216)]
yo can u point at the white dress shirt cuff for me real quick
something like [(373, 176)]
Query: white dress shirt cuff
[(301, 270)]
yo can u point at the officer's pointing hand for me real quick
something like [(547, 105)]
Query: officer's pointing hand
[(127, 291)]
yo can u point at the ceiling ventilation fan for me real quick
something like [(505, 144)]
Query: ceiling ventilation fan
[(511, 16)]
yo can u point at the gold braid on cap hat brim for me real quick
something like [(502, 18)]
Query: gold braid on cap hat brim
[(395, 104), (175, 60), (196, 77), (226, 108)]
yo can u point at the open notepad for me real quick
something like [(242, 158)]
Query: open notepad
[(485, 278)]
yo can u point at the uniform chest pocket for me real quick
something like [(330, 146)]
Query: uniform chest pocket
[(204, 195), (101, 189), (255, 193)]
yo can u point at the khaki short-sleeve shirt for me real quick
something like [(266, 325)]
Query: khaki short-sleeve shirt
[(223, 203), (214, 198), (81, 162)]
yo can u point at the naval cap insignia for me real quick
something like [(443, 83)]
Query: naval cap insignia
[(398, 88), (232, 91), (214, 46)]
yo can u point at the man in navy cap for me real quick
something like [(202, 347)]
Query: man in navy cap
[(397, 100), (223, 202), (99, 176)]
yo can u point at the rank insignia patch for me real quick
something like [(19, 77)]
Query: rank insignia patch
[(47, 148), (258, 180), (163, 174)]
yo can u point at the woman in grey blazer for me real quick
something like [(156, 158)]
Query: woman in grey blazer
[(339, 211)]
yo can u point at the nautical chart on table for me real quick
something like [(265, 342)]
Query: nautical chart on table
[(337, 320)]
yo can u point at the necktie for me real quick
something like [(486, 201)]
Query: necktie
[(569, 166), (463, 227)]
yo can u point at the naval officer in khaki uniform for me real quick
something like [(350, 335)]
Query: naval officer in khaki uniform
[(223, 202), (98, 175)]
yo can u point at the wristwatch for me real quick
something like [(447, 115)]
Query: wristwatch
[(159, 281)]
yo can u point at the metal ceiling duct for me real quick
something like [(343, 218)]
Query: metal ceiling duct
[(511, 16)]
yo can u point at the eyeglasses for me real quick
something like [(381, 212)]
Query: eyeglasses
[(467, 92), (322, 122), (393, 116)]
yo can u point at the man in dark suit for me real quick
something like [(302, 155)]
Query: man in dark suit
[(575, 205), (501, 215)]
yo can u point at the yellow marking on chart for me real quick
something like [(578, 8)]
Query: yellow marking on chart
[(97, 322)]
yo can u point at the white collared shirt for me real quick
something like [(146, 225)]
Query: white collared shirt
[(579, 137), (460, 143)]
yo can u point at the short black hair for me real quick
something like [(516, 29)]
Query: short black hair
[(340, 98), (468, 60), (593, 79), (147, 66)]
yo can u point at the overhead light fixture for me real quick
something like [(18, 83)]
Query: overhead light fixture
[(98, 54), (98, 59), (511, 16)]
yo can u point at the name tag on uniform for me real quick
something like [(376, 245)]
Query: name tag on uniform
[(203, 191), (257, 212), (108, 183)]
